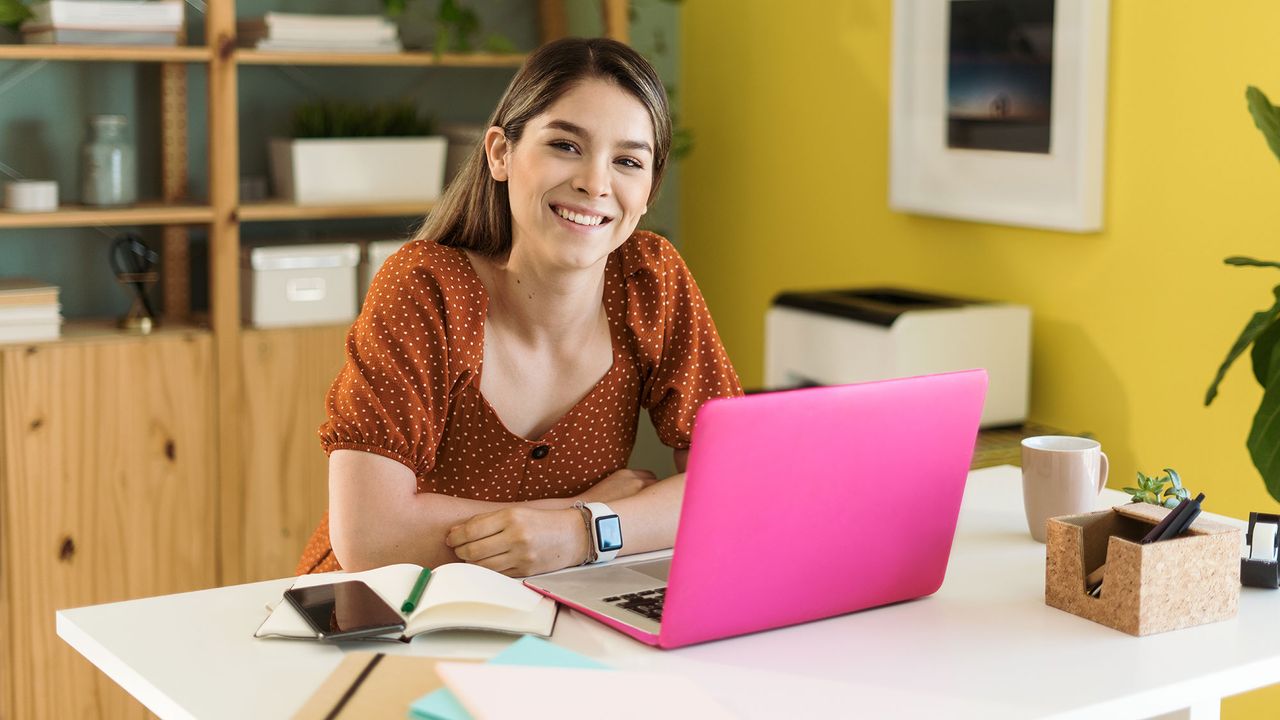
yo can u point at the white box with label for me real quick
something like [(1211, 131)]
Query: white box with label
[(292, 285)]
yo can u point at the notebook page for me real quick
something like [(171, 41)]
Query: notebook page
[(461, 582)]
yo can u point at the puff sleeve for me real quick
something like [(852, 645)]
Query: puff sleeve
[(392, 395), (684, 362)]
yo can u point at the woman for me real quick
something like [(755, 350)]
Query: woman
[(495, 374)]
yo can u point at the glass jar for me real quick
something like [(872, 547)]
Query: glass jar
[(108, 175)]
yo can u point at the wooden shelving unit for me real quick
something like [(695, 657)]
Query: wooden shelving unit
[(134, 466), (83, 216), (404, 59), (105, 53), (276, 210)]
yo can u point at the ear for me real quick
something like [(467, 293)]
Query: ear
[(496, 152)]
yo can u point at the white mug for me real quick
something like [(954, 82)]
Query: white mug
[(1061, 475)]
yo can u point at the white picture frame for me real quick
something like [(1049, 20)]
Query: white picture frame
[(1059, 190)]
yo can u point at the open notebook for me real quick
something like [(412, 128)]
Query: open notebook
[(459, 596)]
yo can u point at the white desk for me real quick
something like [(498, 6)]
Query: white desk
[(985, 646)]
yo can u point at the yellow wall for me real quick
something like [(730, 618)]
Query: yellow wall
[(787, 188)]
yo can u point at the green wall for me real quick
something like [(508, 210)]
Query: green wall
[(42, 123)]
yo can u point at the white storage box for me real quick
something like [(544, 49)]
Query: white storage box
[(292, 285), (358, 170), (379, 251), (863, 334)]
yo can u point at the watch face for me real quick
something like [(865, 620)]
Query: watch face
[(609, 531)]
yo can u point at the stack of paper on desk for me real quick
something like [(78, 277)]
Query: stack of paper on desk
[(536, 679), (459, 596)]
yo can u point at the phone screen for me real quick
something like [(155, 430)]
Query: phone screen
[(345, 610)]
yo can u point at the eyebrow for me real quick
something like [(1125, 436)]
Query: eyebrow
[(582, 132)]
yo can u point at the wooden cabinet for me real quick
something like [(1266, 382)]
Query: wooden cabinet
[(286, 373), (106, 493)]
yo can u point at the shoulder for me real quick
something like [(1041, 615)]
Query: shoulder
[(649, 254), (426, 274)]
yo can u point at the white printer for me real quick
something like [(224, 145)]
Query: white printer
[(856, 335)]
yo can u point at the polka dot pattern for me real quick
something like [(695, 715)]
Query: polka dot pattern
[(410, 389)]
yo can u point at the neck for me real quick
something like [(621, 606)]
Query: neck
[(540, 304)]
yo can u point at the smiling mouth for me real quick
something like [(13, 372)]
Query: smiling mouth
[(581, 219)]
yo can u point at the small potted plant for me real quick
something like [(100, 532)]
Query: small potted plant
[(342, 153), (1152, 489)]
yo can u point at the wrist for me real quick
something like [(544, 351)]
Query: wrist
[(581, 523)]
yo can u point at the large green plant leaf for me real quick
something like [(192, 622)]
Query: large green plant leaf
[(1266, 116), (1241, 261), (1264, 355), (1264, 436), (1254, 328)]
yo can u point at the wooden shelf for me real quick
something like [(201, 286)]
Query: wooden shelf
[(105, 53), (404, 59), (96, 330), (278, 210), (81, 216), (141, 214)]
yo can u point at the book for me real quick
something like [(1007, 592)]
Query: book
[(44, 314), (27, 291), (372, 685), (459, 596), (348, 22), (254, 30), (442, 704), (30, 332), (76, 36), (328, 46), (159, 15)]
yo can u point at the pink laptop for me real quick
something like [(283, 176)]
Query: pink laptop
[(798, 505)]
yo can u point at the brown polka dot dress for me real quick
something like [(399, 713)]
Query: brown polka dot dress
[(410, 389)]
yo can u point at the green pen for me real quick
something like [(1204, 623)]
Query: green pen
[(416, 593)]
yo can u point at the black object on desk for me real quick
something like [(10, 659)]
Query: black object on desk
[(1261, 572)]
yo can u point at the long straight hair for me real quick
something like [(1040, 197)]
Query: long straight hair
[(475, 211)]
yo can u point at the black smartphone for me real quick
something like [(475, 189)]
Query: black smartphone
[(345, 610)]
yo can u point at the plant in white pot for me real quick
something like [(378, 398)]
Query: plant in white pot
[(345, 153)]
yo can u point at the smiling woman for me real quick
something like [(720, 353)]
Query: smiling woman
[(495, 375)]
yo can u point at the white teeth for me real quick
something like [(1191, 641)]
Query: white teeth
[(579, 219)]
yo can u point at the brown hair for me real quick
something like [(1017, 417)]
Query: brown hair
[(475, 212)]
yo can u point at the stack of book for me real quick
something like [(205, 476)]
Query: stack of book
[(104, 22), (29, 310), (294, 32)]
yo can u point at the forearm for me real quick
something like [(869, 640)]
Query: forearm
[(649, 518), (415, 531)]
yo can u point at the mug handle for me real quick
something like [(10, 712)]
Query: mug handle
[(1103, 468)]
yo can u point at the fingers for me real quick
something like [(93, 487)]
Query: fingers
[(477, 528), (484, 548), (498, 563)]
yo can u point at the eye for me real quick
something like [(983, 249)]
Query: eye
[(564, 145), (630, 163)]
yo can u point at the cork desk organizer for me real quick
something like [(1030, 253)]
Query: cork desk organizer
[(1167, 585)]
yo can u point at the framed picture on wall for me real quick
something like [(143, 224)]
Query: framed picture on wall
[(999, 111)]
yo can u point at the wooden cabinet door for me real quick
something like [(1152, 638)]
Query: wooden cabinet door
[(285, 374), (106, 493)]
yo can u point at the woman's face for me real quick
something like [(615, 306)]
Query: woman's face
[(579, 178)]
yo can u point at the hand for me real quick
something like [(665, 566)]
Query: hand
[(621, 484), (521, 541)]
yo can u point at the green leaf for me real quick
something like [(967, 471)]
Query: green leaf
[(1266, 116), (1174, 478), (1264, 355), (1131, 490), (1242, 261), (1264, 439), (1255, 327), (13, 13)]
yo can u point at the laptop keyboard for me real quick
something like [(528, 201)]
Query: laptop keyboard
[(647, 603)]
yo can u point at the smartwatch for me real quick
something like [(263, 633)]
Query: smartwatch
[(606, 532)]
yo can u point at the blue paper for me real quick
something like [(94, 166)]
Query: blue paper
[(528, 650)]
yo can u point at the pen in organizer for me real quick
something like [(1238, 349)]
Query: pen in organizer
[(415, 594), (1173, 525)]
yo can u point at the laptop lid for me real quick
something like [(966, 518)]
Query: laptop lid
[(804, 504)]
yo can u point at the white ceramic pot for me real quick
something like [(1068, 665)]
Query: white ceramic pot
[(358, 170)]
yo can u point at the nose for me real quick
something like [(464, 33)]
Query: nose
[(592, 178)]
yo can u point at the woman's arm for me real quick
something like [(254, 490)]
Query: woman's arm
[(377, 518), (522, 542)]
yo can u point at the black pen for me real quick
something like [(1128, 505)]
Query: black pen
[(1184, 523), (1158, 532)]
